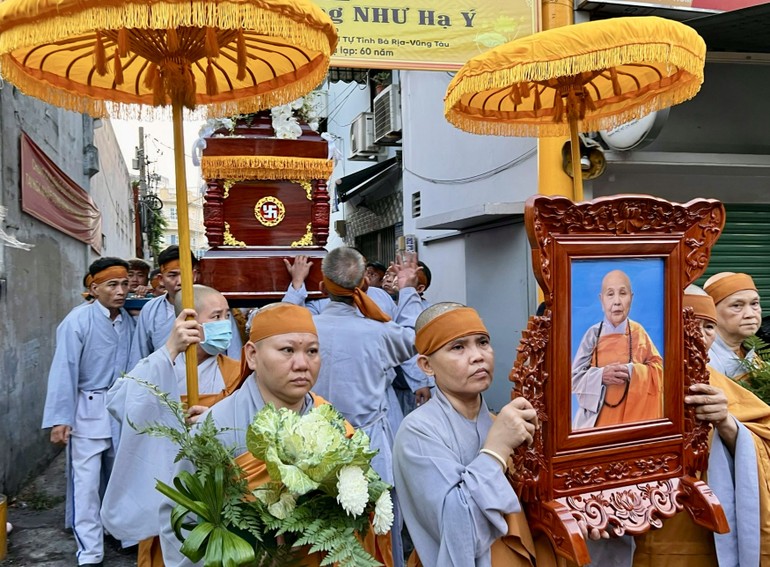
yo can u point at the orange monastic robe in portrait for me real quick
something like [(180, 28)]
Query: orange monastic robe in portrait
[(644, 399), (681, 543), (149, 553), (255, 471)]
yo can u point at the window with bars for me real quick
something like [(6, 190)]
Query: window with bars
[(379, 245)]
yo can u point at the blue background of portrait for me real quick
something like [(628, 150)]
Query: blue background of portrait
[(646, 275)]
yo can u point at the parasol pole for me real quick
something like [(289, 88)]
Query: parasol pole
[(185, 261), (577, 171)]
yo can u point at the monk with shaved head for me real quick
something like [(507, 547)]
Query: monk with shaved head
[(617, 373), (451, 455), (739, 315)]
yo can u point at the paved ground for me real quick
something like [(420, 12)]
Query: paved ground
[(38, 536)]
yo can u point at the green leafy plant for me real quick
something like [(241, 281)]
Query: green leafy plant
[(757, 369), (321, 495), (382, 78), (156, 225), (211, 516)]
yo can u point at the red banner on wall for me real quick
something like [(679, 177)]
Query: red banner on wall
[(49, 195)]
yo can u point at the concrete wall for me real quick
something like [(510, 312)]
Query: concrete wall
[(501, 287), (438, 156), (346, 101), (486, 267), (713, 146), (40, 286), (111, 189)]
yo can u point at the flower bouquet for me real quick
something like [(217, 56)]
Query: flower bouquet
[(321, 496), (757, 369)]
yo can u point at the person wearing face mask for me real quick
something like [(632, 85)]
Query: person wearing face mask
[(130, 498), (617, 373)]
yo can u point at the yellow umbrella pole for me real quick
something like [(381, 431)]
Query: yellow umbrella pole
[(577, 171), (185, 261)]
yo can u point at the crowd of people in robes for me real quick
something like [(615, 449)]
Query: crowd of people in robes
[(412, 376)]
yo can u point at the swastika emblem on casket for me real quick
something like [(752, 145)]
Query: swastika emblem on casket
[(269, 211)]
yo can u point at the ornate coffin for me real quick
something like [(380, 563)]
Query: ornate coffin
[(266, 201)]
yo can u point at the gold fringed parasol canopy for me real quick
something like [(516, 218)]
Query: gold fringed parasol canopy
[(231, 56), (584, 77)]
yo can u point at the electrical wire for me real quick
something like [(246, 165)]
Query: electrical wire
[(340, 104), (479, 176)]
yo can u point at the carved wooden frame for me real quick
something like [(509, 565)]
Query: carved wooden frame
[(626, 478)]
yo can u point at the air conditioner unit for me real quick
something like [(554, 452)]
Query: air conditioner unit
[(387, 117), (362, 146)]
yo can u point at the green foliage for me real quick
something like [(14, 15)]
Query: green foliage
[(757, 369), (156, 225), (304, 456), (382, 78), (222, 524)]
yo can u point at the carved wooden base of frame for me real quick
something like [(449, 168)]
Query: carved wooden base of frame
[(558, 522), (628, 510), (703, 506)]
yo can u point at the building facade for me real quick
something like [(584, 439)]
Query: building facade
[(38, 287), (463, 195), (167, 195)]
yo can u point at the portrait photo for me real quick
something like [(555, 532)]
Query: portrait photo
[(617, 340)]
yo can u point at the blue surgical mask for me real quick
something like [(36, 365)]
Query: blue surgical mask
[(217, 336)]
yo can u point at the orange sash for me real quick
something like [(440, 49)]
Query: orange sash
[(517, 548), (255, 472), (644, 400), (231, 374), (682, 543), (149, 553)]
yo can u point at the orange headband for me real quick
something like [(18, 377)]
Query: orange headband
[(89, 281), (729, 285), (111, 273), (448, 326), (170, 265), (702, 306), (365, 304), (280, 320)]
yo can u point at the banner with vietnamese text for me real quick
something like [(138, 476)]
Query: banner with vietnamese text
[(49, 195), (424, 34)]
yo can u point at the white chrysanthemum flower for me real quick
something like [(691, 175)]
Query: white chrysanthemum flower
[(383, 513), (352, 490)]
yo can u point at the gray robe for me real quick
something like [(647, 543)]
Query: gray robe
[(153, 327), (131, 500), (358, 356), (91, 353), (454, 499), (722, 358)]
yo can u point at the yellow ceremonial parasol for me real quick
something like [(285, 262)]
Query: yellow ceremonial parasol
[(589, 76), (231, 56)]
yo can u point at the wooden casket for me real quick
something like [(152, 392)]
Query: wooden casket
[(266, 201)]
